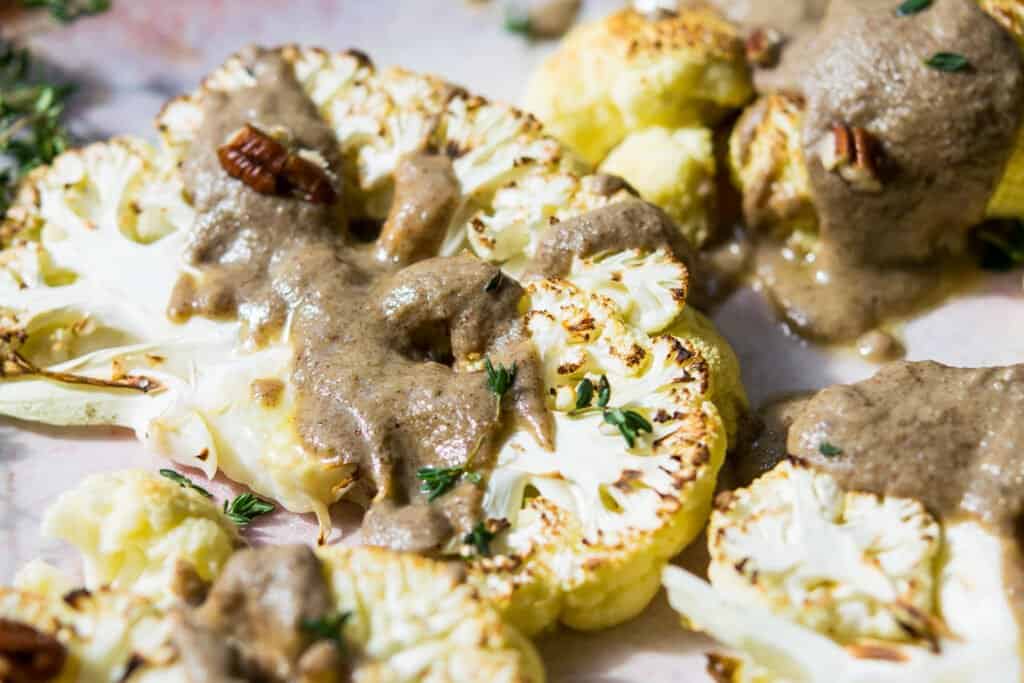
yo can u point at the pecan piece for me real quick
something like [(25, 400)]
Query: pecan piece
[(764, 47), (854, 154), (28, 655), (266, 165)]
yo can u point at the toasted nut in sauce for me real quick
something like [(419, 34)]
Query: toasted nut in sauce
[(28, 655), (266, 165), (853, 152)]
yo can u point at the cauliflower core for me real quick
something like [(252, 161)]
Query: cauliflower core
[(637, 93), (810, 583), (410, 618)]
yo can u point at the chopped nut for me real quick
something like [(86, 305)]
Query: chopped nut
[(764, 47), (879, 652), (27, 654), (721, 668), (853, 152), (266, 165)]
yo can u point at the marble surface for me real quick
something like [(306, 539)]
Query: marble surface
[(132, 59)]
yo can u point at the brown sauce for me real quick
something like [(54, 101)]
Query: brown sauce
[(387, 341), (253, 624), (940, 141), (382, 355), (951, 438)]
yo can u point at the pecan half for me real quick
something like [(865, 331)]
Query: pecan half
[(764, 47), (28, 655), (855, 155), (266, 165)]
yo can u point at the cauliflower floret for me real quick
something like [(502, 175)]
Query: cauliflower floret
[(631, 71), (133, 528), (635, 93), (812, 583), (590, 528), (674, 169), (874, 581)]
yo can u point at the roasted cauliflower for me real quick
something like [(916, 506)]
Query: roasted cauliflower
[(636, 93), (408, 618), (810, 582), (84, 343)]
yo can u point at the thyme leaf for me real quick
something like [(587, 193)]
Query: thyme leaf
[(327, 627), (480, 538), (437, 481), (1002, 245), (604, 392), (66, 11), (31, 133), (184, 482), (517, 21), (829, 450), (950, 62), (499, 379), (909, 7), (629, 422), (247, 507), (584, 394)]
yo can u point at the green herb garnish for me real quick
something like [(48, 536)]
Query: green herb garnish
[(480, 538), (1002, 245), (494, 282), (67, 11), (184, 482), (517, 21), (436, 481), (499, 379), (629, 422), (604, 392), (948, 61), (246, 508), (31, 133), (327, 627), (913, 7), (584, 394), (829, 450)]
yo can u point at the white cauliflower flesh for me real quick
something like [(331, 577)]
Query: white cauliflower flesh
[(133, 528), (99, 240), (593, 522), (409, 618), (812, 583)]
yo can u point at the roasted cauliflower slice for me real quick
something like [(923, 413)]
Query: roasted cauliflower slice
[(637, 92), (410, 618), (638, 446), (810, 582)]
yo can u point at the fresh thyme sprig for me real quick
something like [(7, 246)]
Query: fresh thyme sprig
[(629, 422), (829, 450), (437, 481), (500, 379), (31, 132), (327, 627), (480, 538), (247, 507), (184, 482), (66, 11)]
